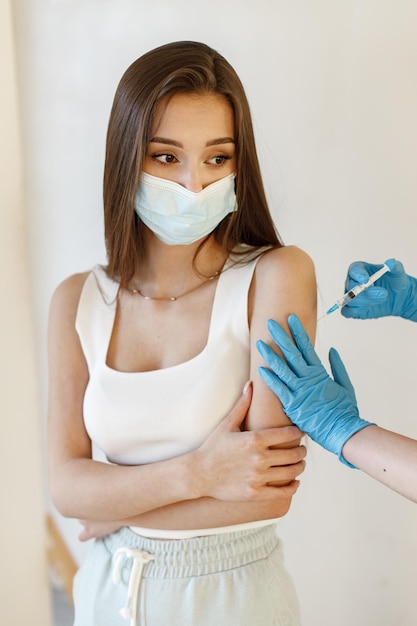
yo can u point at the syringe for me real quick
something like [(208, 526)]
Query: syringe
[(355, 291)]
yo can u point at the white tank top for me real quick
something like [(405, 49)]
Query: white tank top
[(143, 417)]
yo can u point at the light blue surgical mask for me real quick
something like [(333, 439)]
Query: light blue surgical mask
[(178, 216)]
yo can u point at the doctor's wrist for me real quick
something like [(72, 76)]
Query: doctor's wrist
[(348, 452)]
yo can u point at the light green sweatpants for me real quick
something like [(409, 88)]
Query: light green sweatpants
[(231, 579)]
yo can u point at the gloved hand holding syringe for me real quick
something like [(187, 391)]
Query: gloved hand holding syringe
[(355, 291)]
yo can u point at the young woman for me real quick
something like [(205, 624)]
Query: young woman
[(149, 356)]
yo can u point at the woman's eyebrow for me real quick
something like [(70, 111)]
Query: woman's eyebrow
[(168, 142), (220, 140), (177, 144)]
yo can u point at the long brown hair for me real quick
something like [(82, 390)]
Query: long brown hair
[(179, 67)]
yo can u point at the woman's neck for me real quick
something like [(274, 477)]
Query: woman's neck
[(171, 271)]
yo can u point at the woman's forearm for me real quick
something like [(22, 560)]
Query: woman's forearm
[(230, 466), (386, 456), (87, 489), (210, 512), (201, 513)]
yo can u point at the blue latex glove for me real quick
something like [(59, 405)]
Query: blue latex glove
[(323, 408), (394, 294)]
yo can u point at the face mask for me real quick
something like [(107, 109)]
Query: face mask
[(178, 216)]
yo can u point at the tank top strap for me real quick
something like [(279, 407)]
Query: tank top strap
[(95, 315), (231, 301)]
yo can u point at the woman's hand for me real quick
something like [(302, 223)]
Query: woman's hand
[(240, 466), (93, 529)]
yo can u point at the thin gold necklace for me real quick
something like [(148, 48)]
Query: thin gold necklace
[(136, 291)]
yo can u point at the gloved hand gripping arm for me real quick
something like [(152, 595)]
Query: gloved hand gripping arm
[(323, 408)]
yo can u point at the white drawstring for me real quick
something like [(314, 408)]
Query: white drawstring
[(140, 558)]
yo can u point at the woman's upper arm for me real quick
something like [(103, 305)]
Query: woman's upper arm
[(284, 283), (67, 378)]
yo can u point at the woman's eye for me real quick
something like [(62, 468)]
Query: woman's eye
[(164, 158), (220, 159)]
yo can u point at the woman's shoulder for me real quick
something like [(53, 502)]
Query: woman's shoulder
[(71, 286), (289, 261), (101, 287), (286, 254), (66, 296), (285, 283)]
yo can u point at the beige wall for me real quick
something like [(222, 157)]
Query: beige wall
[(24, 595)]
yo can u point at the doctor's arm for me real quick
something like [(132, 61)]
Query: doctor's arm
[(326, 410)]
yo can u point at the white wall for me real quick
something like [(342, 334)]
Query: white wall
[(24, 592), (333, 93)]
